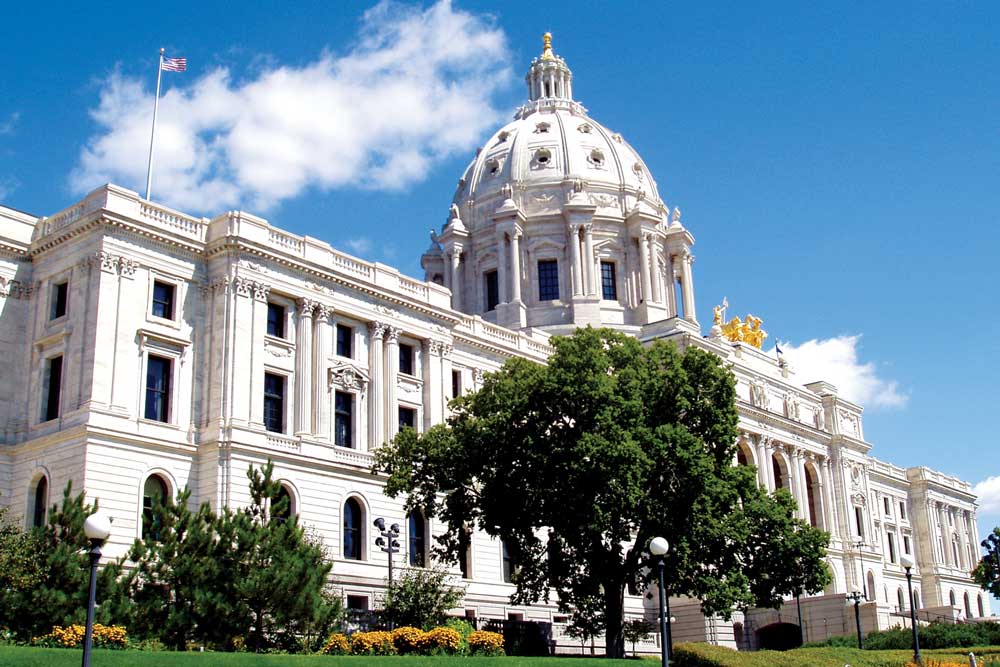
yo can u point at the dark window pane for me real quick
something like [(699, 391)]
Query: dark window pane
[(418, 538), (609, 286), (548, 280), (492, 290), (41, 496), (406, 359), (163, 300), (54, 389), (275, 320), (407, 417), (154, 491), (456, 383), (464, 546), (158, 389), (508, 567), (60, 299), (352, 529), (281, 506), (345, 339), (274, 402), (343, 419), (357, 602)]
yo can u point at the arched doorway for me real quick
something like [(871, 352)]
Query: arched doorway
[(778, 637), (780, 472), (813, 502)]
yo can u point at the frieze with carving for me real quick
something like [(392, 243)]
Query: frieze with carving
[(347, 377), (758, 395)]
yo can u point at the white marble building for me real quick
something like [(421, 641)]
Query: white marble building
[(145, 350)]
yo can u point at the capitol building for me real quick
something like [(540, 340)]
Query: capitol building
[(146, 350)]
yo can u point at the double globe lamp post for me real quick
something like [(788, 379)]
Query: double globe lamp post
[(906, 560), (658, 548), (97, 528)]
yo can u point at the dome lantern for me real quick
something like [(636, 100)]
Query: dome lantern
[(549, 78)]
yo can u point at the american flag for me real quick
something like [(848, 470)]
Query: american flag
[(174, 64)]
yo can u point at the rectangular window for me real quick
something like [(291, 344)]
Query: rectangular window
[(886, 505), (859, 522), (163, 300), (53, 388), (892, 547), (465, 553), (274, 402), (407, 417), (357, 602), (275, 320), (406, 359), (902, 510), (492, 289), (548, 280), (906, 544), (158, 376), (456, 383), (343, 419), (345, 340), (609, 285), (60, 299)]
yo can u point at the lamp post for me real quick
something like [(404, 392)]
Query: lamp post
[(387, 542), (856, 596), (658, 548), (97, 528), (906, 560), (861, 559)]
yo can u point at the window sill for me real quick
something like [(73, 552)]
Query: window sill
[(154, 422), (163, 321)]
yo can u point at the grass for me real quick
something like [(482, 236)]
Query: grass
[(685, 655)]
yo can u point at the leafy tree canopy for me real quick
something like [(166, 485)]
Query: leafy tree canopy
[(578, 464), (421, 597), (987, 572)]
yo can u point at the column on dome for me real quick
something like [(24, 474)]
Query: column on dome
[(455, 257), (391, 382), (376, 384), (447, 271), (576, 268), (671, 280), (589, 271), (321, 352), (687, 287), (433, 405), (303, 367), (501, 267), (644, 267), (654, 256), (515, 267)]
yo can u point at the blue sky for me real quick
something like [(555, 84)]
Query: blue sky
[(836, 163)]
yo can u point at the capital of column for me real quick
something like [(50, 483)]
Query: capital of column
[(324, 312), (306, 306), (434, 347), (377, 330), (392, 334), (446, 350)]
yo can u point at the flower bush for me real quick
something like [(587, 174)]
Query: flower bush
[(441, 640), (336, 645), (407, 639), (104, 636), (377, 642), (482, 642)]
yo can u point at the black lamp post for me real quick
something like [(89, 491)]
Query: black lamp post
[(386, 540), (97, 528), (861, 559), (658, 548), (906, 560), (856, 596)]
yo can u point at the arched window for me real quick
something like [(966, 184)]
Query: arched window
[(979, 604), (812, 495), (968, 606), (871, 587), (281, 506), (951, 598), (41, 500), (780, 478), (916, 598), (743, 455), (353, 521), (418, 539), (899, 599), (508, 563), (154, 493)]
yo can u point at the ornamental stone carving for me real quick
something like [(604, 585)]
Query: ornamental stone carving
[(758, 395), (819, 418), (251, 288), (791, 406), (347, 377), (377, 330), (15, 289)]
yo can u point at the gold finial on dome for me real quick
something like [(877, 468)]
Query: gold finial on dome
[(547, 47)]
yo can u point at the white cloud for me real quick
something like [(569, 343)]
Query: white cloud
[(7, 126), (988, 492), (417, 88), (836, 361), (7, 186), (359, 246)]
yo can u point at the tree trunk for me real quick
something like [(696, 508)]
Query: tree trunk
[(614, 638)]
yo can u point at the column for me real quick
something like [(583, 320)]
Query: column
[(574, 246), (432, 383), (644, 266), (456, 279), (803, 491), (447, 270), (391, 382), (670, 282), (376, 383), (446, 370), (769, 464), (303, 367), (501, 268), (829, 505), (688, 287), (515, 267), (588, 260), (761, 463), (255, 389), (945, 535), (654, 256), (321, 352)]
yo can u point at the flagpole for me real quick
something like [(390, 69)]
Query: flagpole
[(152, 135)]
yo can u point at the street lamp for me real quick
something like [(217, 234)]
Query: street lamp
[(97, 528), (906, 560), (658, 548), (387, 542), (856, 596), (861, 558)]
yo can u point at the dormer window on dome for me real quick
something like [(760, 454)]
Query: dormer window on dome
[(493, 166), (596, 157), (542, 128), (586, 128), (543, 156)]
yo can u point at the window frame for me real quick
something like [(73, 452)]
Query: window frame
[(60, 286), (50, 402), (359, 529), (282, 322), (491, 290), (170, 303), (167, 484), (283, 398), (416, 544), (343, 326), (352, 427), (407, 351), (38, 520), (613, 274), (551, 277), (167, 394), (409, 409), (178, 298)]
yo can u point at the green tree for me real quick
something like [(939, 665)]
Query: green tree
[(421, 597), (587, 622), (987, 572), (578, 464), (636, 630), (54, 589), (20, 569)]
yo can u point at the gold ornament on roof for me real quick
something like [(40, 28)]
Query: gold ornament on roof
[(742, 331), (547, 47)]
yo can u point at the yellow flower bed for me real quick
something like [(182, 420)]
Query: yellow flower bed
[(336, 645), (377, 642), (444, 640), (407, 639), (105, 636), (482, 642)]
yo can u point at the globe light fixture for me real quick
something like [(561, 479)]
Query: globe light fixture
[(906, 560), (388, 543), (857, 597), (658, 548), (97, 528)]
